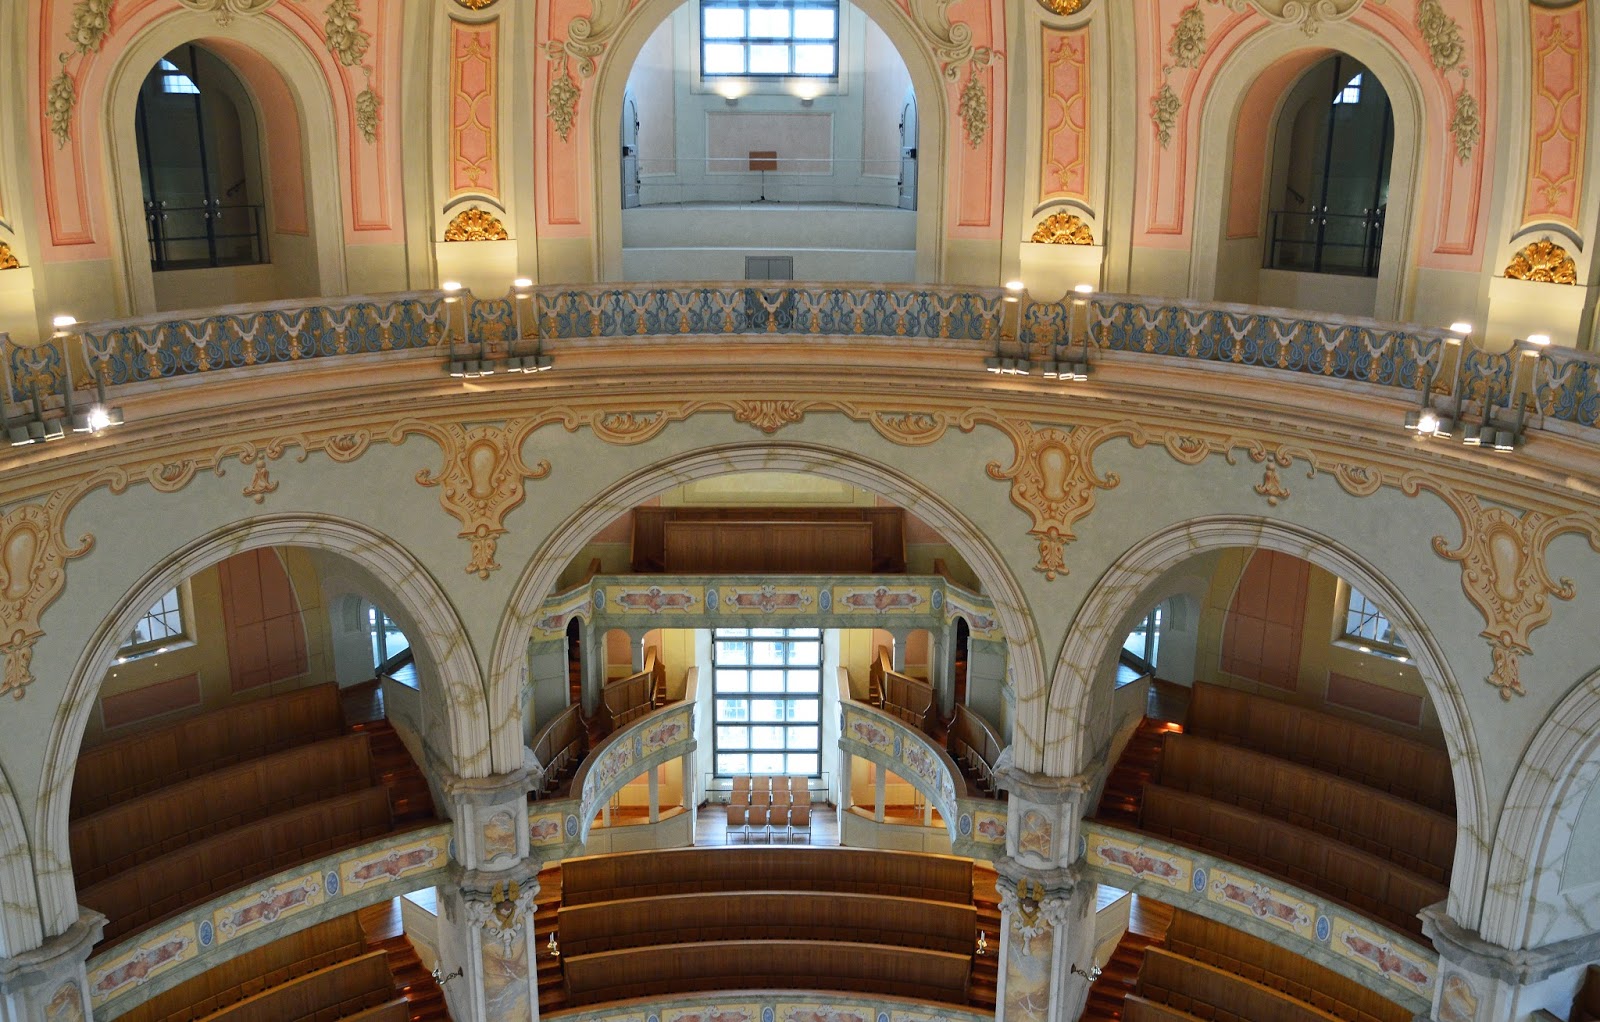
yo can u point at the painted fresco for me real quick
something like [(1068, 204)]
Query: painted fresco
[(500, 836), (268, 905), (505, 978), (1266, 902), (66, 1005), (1134, 859), (545, 829), (881, 599), (161, 953), (1027, 962), (1373, 950), (392, 864), (767, 599)]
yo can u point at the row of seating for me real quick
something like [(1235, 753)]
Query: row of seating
[(910, 699), (112, 772), (627, 699), (1209, 993), (745, 786), (347, 989), (1417, 838), (769, 819)]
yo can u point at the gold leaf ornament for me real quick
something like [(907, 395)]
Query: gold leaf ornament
[(475, 224), (1543, 261), (1062, 229), (8, 258)]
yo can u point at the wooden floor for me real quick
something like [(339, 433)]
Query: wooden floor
[(711, 828)]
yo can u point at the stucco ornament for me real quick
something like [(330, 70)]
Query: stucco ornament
[(348, 41), (481, 482), (1063, 7), (8, 258), (1466, 126), (953, 46), (1503, 573), (1164, 112), (575, 57), (768, 416), (227, 10), (91, 21), (1053, 479), (1308, 15), (1188, 43), (1441, 33), (1033, 910), (367, 103), (1543, 261), (475, 224), (33, 555), (501, 911), (1062, 229)]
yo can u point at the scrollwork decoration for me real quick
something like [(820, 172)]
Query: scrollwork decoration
[(227, 10), (768, 416), (8, 258), (475, 224), (1063, 8), (575, 58), (953, 45), (1062, 229), (1543, 261), (33, 556)]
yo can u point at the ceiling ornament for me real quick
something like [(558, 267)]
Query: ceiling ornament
[(8, 258), (1062, 229), (1543, 261), (1308, 15), (33, 556), (768, 416), (1503, 572), (1063, 7), (574, 59), (953, 47), (227, 10), (482, 480), (475, 224)]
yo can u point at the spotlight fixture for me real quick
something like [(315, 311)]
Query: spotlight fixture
[(1091, 975), (1461, 327), (41, 429), (1424, 420), (1542, 340), (983, 943), (1015, 286), (442, 979), (552, 947), (1084, 289)]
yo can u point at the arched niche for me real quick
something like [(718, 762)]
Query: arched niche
[(291, 102), (1078, 718), (1240, 111), (927, 82), (451, 683), (538, 580)]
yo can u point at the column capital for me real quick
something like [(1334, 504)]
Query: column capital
[(67, 949), (1461, 946), (1039, 789), (1054, 881), (501, 910), (494, 789)]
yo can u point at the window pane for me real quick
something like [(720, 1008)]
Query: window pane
[(723, 59), (805, 681), (767, 711), (769, 653), (732, 764), (768, 59), (729, 653), (767, 681), (733, 681), (722, 23), (769, 23), (733, 738), (766, 737), (804, 765), (813, 60), (805, 653), (803, 710), (803, 738), (733, 709), (767, 763), (812, 23)]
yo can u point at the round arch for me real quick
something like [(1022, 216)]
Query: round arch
[(1088, 663), (1557, 774), (421, 606), (266, 56), (509, 655), (1284, 47), (933, 116)]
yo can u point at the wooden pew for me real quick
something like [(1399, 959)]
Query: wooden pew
[(693, 870), (188, 876), (561, 744), (1361, 880), (900, 694), (396, 1010), (766, 964), (344, 989), (1200, 990), (120, 837), (313, 948), (627, 699), (120, 769), (1140, 1009), (1402, 766), (1414, 836), (770, 915)]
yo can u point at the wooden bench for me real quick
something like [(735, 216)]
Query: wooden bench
[(1140, 1009), (188, 876), (695, 870), (1368, 884), (627, 699), (120, 769), (770, 915), (313, 948), (561, 745), (1414, 836), (908, 698), (1208, 993), (767, 964), (338, 991), (397, 1010), (1262, 961), (1380, 759), (118, 838)]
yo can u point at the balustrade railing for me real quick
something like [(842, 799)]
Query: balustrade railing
[(1562, 385)]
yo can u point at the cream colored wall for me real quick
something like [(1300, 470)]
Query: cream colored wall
[(677, 646)]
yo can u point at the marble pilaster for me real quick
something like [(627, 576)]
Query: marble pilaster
[(1483, 982), (50, 983)]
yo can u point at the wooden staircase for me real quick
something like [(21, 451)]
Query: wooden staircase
[(1118, 978), (1124, 791), (424, 999), (409, 798), (552, 987), (985, 982)]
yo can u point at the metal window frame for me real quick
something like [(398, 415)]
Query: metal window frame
[(788, 639), (790, 40)]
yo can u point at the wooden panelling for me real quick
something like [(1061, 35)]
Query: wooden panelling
[(780, 964), (1139, 1009), (347, 988), (976, 744), (766, 915), (112, 840), (627, 699), (1414, 836), (1205, 992), (156, 889), (1378, 700), (1261, 636), (143, 762), (1368, 884), (266, 638), (1264, 962), (284, 959), (692, 870), (769, 540), (908, 698), (163, 697), (1375, 757)]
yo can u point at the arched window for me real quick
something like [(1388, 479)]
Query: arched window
[(1331, 181), (199, 161)]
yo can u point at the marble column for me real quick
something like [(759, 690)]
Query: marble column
[(487, 946), (49, 983), (1483, 982), (1047, 911)]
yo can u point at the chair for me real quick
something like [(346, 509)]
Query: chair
[(761, 782), (741, 790), (802, 796), (760, 816), (760, 798), (800, 819), (738, 816), (781, 799)]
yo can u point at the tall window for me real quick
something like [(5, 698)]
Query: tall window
[(767, 687), (1365, 623), (769, 38), (1144, 641), (387, 638), (161, 625)]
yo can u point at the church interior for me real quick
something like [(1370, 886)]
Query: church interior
[(799, 511)]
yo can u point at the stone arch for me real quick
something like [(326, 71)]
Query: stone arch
[(268, 58), (20, 928), (539, 578), (1284, 48), (1557, 774), (1088, 660), (435, 630), (933, 118)]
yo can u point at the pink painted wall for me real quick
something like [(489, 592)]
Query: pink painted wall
[(1252, 140), (1261, 635), (1065, 133), (474, 119), (283, 154), (1559, 118)]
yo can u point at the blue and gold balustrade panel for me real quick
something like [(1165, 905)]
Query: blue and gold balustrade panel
[(136, 969), (1381, 959)]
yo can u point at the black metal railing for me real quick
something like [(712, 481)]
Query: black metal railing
[(208, 234), (1317, 241)]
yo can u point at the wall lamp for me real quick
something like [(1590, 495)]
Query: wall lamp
[(1075, 367), (1010, 314), (1091, 975), (442, 979), (462, 368), (538, 361)]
